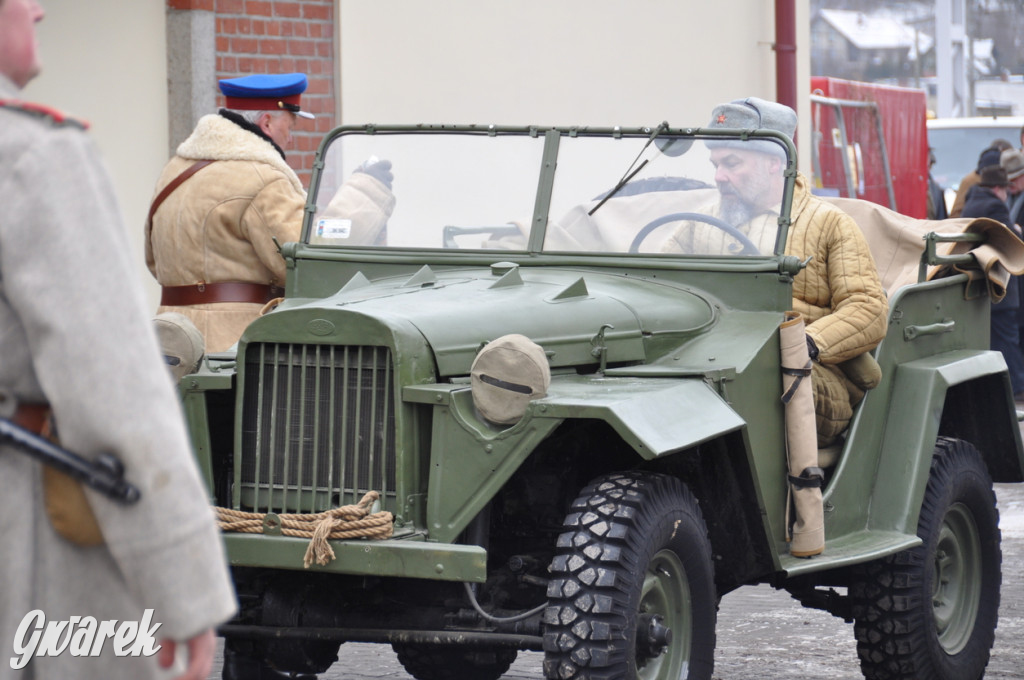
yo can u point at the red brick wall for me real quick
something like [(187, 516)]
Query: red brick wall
[(280, 36)]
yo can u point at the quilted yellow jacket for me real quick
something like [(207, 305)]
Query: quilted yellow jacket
[(839, 293), (221, 224)]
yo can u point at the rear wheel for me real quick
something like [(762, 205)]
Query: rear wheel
[(444, 662), (632, 593), (931, 612)]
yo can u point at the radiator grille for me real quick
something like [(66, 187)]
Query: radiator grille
[(318, 426)]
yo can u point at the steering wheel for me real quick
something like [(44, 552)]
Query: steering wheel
[(450, 232), (748, 246)]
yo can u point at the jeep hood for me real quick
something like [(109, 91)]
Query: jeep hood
[(569, 313)]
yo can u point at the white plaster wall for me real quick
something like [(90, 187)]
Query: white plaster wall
[(105, 61), (803, 75), (555, 62), (545, 62)]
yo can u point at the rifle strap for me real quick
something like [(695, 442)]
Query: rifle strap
[(171, 186)]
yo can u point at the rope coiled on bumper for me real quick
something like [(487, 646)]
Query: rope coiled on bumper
[(347, 521)]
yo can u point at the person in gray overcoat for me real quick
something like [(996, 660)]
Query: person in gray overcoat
[(78, 353)]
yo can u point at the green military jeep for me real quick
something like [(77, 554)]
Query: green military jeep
[(604, 519)]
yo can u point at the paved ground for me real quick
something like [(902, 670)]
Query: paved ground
[(765, 635)]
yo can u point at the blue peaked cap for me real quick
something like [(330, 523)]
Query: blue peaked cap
[(265, 85), (266, 92)]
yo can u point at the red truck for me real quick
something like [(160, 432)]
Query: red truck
[(871, 142)]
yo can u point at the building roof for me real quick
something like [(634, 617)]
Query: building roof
[(876, 31)]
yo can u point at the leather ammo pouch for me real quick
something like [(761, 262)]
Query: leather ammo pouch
[(64, 472), (63, 497), (68, 509)]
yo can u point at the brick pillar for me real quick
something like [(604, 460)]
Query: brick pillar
[(212, 39), (191, 79), (283, 36)]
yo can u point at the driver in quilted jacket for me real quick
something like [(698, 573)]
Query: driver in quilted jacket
[(838, 293)]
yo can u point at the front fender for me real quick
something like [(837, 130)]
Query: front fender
[(655, 416), (471, 460), (921, 387)]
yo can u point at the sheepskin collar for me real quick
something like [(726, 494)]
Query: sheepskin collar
[(246, 125), (219, 138)]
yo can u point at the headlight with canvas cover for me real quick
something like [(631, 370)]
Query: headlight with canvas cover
[(507, 375)]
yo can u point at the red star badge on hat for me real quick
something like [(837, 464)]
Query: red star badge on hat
[(721, 118)]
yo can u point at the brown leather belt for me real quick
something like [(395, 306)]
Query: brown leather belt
[(227, 291), (33, 417)]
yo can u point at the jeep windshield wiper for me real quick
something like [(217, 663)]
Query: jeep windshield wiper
[(631, 171)]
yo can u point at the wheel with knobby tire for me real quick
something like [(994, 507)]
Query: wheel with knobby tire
[(632, 593), (447, 662), (931, 611)]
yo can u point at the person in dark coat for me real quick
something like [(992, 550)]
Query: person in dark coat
[(988, 199), (1013, 162), (989, 156)]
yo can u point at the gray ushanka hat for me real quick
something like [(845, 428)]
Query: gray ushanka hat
[(753, 113)]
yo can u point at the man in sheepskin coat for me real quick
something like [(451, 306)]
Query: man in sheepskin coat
[(212, 242), (838, 293), (78, 349)]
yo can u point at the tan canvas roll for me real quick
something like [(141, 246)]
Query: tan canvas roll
[(806, 532)]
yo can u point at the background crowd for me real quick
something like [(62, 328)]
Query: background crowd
[(995, 189)]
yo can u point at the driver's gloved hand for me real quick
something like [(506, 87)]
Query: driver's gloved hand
[(379, 170), (812, 348)]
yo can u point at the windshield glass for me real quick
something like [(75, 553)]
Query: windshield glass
[(591, 191)]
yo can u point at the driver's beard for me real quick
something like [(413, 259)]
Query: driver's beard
[(735, 211)]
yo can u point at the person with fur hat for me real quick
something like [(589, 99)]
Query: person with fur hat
[(845, 313), (81, 366), (988, 199), (1012, 161), (227, 201), (988, 156)]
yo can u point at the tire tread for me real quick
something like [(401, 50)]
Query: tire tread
[(598, 550), (895, 639)]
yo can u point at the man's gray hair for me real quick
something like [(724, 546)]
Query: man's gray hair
[(249, 115)]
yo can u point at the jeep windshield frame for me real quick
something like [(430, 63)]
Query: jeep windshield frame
[(643, 192)]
